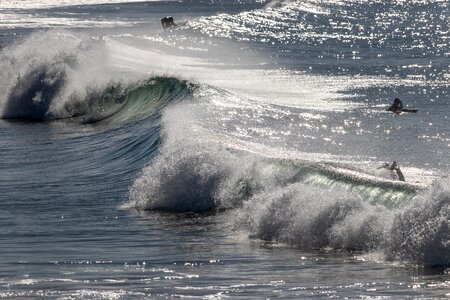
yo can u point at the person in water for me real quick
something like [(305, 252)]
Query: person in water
[(396, 106), (167, 22), (394, 167)]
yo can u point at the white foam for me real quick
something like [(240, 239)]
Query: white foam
[(313, 218), (186, 178), (421, 230), (80, 62)]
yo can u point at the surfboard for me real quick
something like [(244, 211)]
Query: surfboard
[(402, 110)]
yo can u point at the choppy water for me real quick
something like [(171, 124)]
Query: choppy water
[(234, 156)]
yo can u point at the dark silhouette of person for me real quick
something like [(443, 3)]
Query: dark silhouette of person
[(394, 167), (167, 22), (396, 106)]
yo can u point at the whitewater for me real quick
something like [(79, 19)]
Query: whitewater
[(240, 154)]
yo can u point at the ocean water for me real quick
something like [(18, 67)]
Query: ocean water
[(236, 155)]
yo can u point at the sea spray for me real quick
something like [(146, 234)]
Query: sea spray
[(186, 176), (56, 74), (31, 97), (312, 217), (421, 230)]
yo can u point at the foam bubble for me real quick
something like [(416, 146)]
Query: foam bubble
[(313, 217), (421, 231)]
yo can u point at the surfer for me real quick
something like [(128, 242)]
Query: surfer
[(167, 22), (396, 106), (394, 167)]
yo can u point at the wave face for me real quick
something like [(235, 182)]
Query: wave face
[(121, 104)]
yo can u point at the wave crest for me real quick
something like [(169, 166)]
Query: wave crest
[(57, 75), (71, 80), (31, 96)]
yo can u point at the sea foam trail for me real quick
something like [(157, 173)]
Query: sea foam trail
[(275, 201)]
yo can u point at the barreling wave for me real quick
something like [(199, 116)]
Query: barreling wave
[(57, 75), (32, 98), (215, 178)]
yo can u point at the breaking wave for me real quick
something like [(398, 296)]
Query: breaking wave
[(57, 75), (310, 205)]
